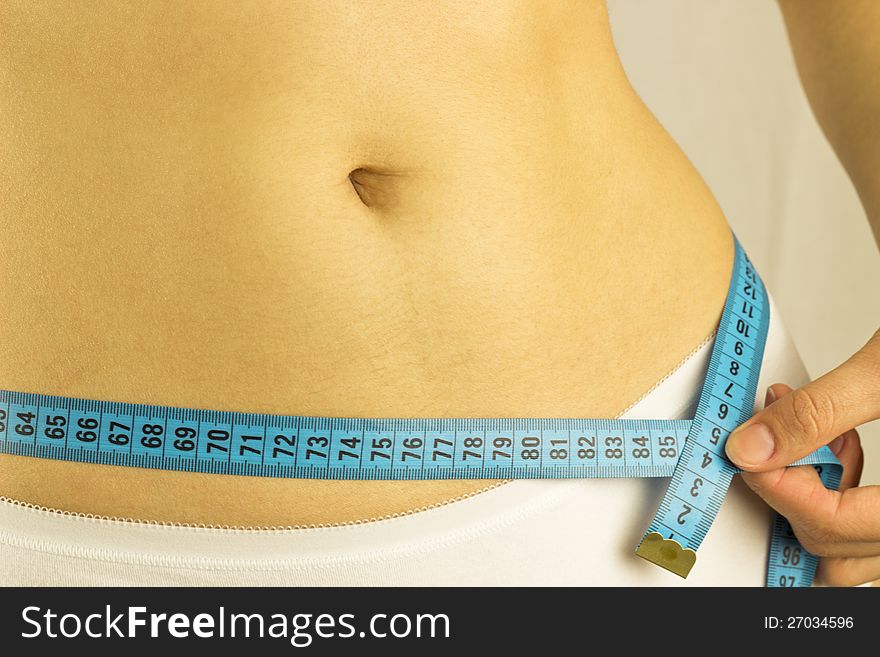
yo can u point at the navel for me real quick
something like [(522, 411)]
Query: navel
[(378, 189)]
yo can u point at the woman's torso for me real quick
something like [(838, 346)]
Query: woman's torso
[(520, 236)]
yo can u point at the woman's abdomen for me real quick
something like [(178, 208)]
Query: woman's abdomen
[(530, 532), (294, 213)]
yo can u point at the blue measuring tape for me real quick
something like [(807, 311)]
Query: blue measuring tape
[(690, 451)]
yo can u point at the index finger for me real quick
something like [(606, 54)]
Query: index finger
[(844, 522)]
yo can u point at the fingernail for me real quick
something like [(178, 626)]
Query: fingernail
[(836, 445), (769, 398), (751, 446)]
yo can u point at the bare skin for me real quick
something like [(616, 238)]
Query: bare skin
[(837, 52), (387, 209), (837, 55)]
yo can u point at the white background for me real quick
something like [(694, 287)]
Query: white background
[(720, 76)]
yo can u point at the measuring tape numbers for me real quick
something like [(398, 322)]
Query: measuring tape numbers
[(691, 452), (703, 474)]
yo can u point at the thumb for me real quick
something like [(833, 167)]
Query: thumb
[(805, 419)]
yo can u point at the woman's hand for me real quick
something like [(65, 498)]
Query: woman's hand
[(841, 526)]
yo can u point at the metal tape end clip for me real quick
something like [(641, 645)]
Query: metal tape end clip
[(667, 554)]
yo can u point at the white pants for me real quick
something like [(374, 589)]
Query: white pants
[(529, 532)]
